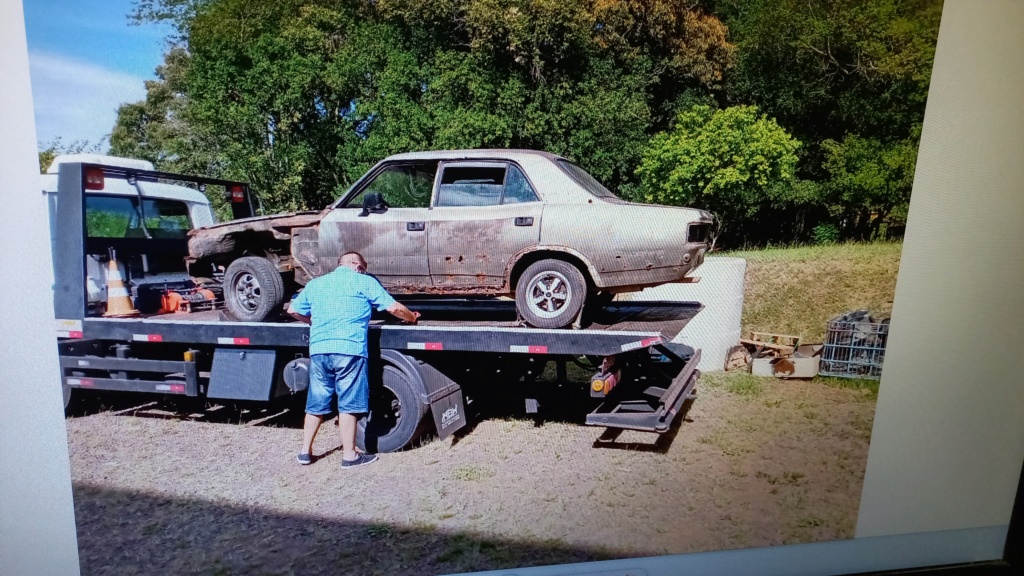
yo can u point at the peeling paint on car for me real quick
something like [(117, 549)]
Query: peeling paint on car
[(473, 249)]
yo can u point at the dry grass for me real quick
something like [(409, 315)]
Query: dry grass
[(760, 462), (797, 290)]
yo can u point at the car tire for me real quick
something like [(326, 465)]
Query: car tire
[(550, 294), (253, 289), (397, 416)]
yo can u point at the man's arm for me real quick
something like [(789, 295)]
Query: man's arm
[(398, 310), (300, 317)]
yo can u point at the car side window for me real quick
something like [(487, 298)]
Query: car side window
[(401, 186), (471, 186), (517, 187)]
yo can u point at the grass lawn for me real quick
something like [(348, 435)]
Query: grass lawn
[(797, 290)]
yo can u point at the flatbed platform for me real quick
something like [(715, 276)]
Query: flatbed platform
[(466, 325)]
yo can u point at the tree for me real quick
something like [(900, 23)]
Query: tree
[(826, 68), (734, 162), (159, 128), (57, 147), (301, 97), (869, 182)]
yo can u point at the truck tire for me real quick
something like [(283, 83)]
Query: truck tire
[(69, 397), (253, 289), (550, 294), (397, 415)]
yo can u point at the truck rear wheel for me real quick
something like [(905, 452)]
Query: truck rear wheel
[(397, 415), (253, 289), (69, 394)]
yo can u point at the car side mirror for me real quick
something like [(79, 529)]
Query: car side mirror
[(373, 203)]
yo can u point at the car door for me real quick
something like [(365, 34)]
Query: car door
[(392, 237), (484, 213)]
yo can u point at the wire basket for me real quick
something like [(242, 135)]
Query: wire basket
[(854, 346)]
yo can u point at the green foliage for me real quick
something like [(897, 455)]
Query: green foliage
[(833, 70), (824, 234), (106, 224), (868, 180), (734, 162), (301, 97), (57, 147), (825, 68), (783, 116)]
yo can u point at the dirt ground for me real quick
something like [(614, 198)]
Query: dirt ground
[(162, 489)]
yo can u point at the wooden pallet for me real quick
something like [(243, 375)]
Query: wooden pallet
[(776, 344)]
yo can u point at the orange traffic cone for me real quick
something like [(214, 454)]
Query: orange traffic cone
[(119, 303)]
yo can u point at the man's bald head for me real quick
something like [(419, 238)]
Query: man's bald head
[(353, 260)]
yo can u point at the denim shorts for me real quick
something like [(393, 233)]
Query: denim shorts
[(338, 375)]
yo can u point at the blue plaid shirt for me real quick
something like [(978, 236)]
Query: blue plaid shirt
[(339, 305)]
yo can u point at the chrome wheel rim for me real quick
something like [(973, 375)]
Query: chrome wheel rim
[(247, 291), (548, 294)]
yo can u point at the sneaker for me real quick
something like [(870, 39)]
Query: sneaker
[(359, 461), (305, 459)]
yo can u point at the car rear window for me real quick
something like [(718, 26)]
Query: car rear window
[(517, 187), (588, 182)]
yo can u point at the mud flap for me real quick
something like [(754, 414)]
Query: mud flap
[(444, 396), (449, 412)]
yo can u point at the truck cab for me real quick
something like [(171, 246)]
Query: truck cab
[(147, 222)]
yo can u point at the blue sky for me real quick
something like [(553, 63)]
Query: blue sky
[(85, 59)]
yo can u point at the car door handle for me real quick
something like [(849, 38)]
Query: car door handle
[(415, 226), (524, 220)]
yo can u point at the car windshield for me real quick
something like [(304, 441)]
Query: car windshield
[(586, 180)]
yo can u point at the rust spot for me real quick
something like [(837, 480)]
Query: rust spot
[(481, 256), (649, 266), (447, 258), (460, 258)]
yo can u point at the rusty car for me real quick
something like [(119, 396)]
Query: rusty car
[(521, 224)]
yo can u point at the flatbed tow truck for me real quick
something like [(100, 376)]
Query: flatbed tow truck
[(421, 375)]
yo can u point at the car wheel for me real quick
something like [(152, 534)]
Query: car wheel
[(550, 293), (397, 417), (253, 289)]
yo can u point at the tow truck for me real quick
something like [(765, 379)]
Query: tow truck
[(423, 376)]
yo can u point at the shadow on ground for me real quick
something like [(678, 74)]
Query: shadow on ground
[(122, 532), (555, 402), (285, 412)]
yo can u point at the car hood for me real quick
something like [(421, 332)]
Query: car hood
[(219, 239), (261, 222)]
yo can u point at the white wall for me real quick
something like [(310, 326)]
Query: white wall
[(948, 439), (37, 523)]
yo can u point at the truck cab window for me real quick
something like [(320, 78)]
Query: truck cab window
[(122, 217)]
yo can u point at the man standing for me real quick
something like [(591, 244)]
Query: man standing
[(337, 306)]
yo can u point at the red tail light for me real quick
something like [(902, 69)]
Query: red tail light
[(94, 178), (237, 193)]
